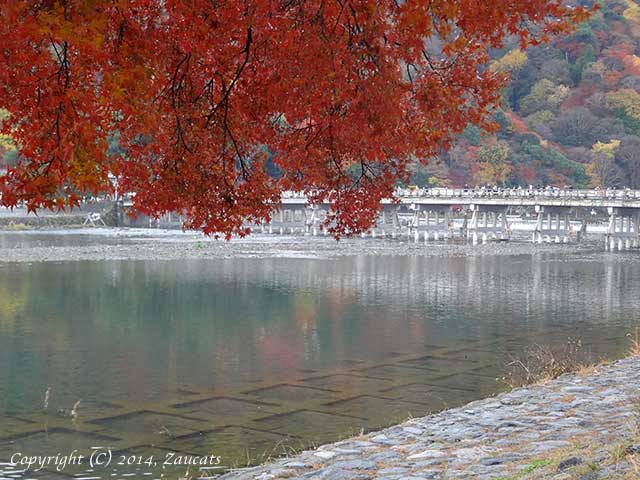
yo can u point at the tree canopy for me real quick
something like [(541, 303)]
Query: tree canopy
[(207, 99)]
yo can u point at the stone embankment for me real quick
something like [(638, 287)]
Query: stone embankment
[(579, 426)]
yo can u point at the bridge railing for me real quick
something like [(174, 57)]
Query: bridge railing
[(521, 193), (594, 194)]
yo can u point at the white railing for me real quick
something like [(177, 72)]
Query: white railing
[(505, 193), (595, 194)]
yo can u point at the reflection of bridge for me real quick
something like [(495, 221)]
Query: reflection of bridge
[(429, 213)]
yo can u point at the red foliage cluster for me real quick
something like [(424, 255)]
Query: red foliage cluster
[(339, 94)]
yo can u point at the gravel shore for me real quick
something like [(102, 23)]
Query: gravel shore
[(579, 426), (141, 244)]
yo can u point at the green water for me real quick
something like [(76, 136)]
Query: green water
[(250, 358)]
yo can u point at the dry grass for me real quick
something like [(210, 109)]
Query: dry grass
[(589, 369), (540, 363), (634, 348)]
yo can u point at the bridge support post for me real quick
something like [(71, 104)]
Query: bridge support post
[(583, 230), (488, 221), (622, 232), (506, 231), (383, 222), (308, 221), (628, 236), (429, 221), (537, 230), (472, 228), (611, 232), (553, 224), (395, 226), (414, 224)]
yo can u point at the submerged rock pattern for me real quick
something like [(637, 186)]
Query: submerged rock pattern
[(579, 426)]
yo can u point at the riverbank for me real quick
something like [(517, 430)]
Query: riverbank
[(149, 244), (578, 426)]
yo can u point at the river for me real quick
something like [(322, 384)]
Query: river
[(247, 357)]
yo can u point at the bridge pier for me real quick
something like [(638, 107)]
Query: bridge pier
[(622, 232), (554, 224), (431, 221), (388, 222), (487, 221), (395, 222)]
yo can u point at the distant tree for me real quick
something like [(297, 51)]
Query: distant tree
[(512, 62), (628, 157), (493, 150), (602, 169), (632, 82), (583, 35), (557, 70), (597, 105), (433, 174), (526, 175), (592, 75), (541, 122), (530, 138), (573, 171), (493, 165), (626, 104), (579, 154), (472, 134), (503, 122), (580, 127), (632, 12), (545, 95), (586, 58)]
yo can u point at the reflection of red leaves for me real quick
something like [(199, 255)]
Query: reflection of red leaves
[(204, 99)]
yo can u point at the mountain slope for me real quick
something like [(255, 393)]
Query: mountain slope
[(570, 115)]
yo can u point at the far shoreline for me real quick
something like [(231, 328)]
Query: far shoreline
[(111, 243)]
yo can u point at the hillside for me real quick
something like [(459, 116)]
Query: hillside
[(570, 116)]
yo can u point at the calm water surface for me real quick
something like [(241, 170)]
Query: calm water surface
[(247, 358)]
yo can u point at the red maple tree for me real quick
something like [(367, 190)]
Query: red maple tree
[(219, 106)]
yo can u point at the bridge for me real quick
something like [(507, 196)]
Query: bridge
[(481, 214)]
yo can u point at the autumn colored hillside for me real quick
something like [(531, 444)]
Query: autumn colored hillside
[(571, 115)]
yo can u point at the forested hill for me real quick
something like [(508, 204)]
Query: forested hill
[(571, 114)]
